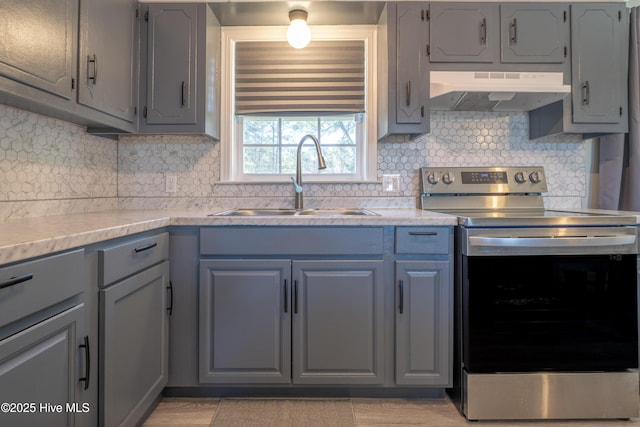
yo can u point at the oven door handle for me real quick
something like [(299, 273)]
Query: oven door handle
[(552, 241)]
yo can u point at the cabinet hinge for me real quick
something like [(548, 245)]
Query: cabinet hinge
[(73, 83), (144, 112), (428, 50), (564, 16), (146, 16)]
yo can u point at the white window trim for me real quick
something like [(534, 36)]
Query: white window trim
[(367, 164)]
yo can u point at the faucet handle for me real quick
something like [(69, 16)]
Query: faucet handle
[(296, 185)]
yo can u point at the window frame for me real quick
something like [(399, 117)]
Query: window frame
[(231, 126)]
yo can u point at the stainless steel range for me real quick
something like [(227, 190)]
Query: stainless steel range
[(546, 302)]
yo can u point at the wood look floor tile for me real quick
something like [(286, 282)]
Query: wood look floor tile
[(408, 412), (183, 412)]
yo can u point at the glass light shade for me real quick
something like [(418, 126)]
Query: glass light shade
[(298, 33)]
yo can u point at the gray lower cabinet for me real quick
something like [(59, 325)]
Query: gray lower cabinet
[(283, 321), (423, 323), (423, 306), (43, 373), (133, 328)]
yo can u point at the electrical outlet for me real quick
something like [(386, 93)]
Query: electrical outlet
[(171, 183), (391, 183)]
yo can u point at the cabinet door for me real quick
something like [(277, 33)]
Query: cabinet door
[(38, 43), (171, 64), (337, 322), (245, 321), (39, 366), (534, 33), (134, 334), (424, 323), (597, 33), (108, 57), (464, 32), (412, 85)]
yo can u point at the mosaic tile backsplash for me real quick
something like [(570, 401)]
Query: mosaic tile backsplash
[(48, 166)]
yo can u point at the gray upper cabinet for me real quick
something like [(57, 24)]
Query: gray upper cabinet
[(337, 322), (181, 46), (38, 44), (108, 63), (464, 32), (245, 321), (534, 33), (403, 86), (599, 54)]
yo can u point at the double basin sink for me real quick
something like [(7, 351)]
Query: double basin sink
[(294, 212)]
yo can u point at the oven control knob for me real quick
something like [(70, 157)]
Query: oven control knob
[(534, 177), (519, 177), (432, 178), (447, 178)]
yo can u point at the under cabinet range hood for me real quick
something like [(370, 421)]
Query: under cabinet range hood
[(495, 91)]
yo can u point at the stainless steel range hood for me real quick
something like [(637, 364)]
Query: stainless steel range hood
[(495, 91)]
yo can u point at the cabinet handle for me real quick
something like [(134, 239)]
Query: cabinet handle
[(513, 29), (94, 61), (587, 93), (295, 297), (423, 233), (483, 31), (286, 297), (87, 362), (170, 288), (16, 280), (183, 94), (409, 93), (401, 305), (145, 248)]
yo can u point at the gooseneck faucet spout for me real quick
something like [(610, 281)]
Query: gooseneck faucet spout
[(297, 182)]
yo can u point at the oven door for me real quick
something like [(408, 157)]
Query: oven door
[(549, 300)]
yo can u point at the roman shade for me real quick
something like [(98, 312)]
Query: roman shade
[(325, 78)]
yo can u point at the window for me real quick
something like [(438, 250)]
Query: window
[(268, 114)]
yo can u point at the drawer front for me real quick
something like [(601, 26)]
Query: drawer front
[(423, 240), (291, 240), (34, 285), (124, 259)]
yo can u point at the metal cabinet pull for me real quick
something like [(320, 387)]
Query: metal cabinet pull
[(483, 31), (409, 93), (170, 288), (145, 248), (295, 297), (286, 297), (183, 94), (16, 280), (513, 30), (587, 93), (94, 61), (401, 305), (87, 362), (423, 233)]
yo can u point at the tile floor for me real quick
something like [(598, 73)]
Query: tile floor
[(192, 412)]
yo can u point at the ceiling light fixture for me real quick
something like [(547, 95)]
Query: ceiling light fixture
[(298, 33)]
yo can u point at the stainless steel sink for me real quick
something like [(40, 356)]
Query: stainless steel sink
[(293, 212)]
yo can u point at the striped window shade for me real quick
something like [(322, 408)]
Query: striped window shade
[(324, 78)]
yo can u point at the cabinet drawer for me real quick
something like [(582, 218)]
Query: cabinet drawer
[(123, 259), (34, 285), (291, 240), (423, 240)]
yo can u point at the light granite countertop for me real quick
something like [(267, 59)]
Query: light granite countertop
[(33, 237)]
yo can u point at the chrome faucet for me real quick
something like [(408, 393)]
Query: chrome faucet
[(297, 182)]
